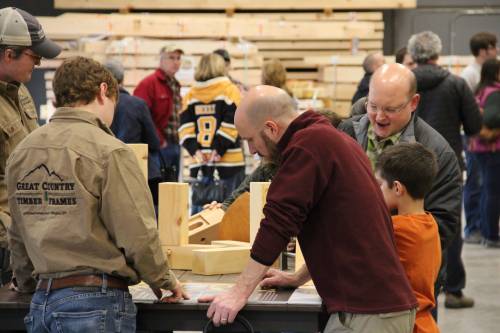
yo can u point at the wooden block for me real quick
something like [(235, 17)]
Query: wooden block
[(226, 260), (236, 222), (204, 226), (173, 207), (341, 74), (141, 153), (299, 257), (258, 194), (181, 257), (230, 243), (234, 4)]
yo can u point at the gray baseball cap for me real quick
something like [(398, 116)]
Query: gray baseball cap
[(19, 28)]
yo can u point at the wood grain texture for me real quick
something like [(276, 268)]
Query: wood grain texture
[(204, 226), (224, 260), (236, 222), (173, 213), (141, 153), (258, 194)]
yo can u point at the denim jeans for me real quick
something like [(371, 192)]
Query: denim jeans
[(81, 309), (472, 195), (489, 164)]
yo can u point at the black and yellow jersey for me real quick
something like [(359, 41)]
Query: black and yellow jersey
[(207, 124)]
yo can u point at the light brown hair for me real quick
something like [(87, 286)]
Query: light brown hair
[(210, 66), (78, 79)]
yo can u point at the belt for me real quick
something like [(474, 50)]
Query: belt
[(82, 281)]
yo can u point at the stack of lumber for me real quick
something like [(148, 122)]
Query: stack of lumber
[(290, 37), (340, 75)]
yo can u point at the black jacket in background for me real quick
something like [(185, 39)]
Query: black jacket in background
[(447, 103), (363, 88)]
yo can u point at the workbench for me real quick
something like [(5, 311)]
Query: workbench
[(291, 310)]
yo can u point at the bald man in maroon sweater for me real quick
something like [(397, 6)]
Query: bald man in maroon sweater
[(324, 192)]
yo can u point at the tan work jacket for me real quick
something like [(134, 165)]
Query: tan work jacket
[(17, 119), (80, 205)]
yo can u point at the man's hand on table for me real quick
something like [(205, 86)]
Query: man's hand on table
[(225, 306), (178, 294), (276, 278)]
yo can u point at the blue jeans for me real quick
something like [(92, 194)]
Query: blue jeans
[(472, 195), (489, 164), (81, 309)]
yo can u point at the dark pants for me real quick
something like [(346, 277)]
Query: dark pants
[(455, 270), (5, 271), (490, 194), (472, 195), (230, 184), (171, 155)]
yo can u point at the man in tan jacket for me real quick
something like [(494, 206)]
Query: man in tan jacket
[(22, 45), (83, 221)]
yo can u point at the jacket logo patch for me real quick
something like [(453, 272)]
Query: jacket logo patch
[(41, 187)]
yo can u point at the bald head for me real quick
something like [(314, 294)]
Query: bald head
[(265, 103), (394, 76), (372, 62)]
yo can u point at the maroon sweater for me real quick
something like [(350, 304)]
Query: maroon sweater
[(325, 192)]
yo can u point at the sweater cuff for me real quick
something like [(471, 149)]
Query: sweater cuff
[(268, 245)]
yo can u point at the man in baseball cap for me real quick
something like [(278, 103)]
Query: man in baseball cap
[(22, 45), (19, 28)]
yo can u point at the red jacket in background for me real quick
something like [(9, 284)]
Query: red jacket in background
[(154, 90)]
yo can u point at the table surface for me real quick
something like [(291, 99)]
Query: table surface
[(267, 309)]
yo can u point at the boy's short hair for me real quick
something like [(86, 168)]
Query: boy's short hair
[(411, 164), (482, 40), (78, 79)]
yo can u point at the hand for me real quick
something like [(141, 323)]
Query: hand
[(178, 294), (276, 278), (13, 287), (212, 205), (224, 307), (214, 157), (199, 156)]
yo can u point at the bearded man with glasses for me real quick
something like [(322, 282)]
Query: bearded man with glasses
[(387, 117)]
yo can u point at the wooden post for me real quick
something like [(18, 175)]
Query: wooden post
[(141, 152), (173, 207), (258, 194), (299, 257)]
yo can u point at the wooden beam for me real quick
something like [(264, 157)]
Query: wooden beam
[(341, 74), (204, 226), (232, 243), (173, 205), (317, 45), (258, 194), (236, 224), (138, 25), (233, 4), (225, 260), (141, 153), (181, 257)]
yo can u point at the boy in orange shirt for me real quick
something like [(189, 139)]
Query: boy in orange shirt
[(406, 172)]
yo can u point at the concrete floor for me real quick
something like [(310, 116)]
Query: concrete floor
[(483, 284)]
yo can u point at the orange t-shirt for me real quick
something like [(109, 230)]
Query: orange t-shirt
[(419, 249)]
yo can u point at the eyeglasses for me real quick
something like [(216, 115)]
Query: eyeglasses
[(372, 108), (35, 57)]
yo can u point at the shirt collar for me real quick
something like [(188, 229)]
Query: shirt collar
[(75, 114), (9, 88)]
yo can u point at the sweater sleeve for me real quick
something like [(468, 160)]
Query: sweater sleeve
[(226, 135), (287, 209), (187, 128)]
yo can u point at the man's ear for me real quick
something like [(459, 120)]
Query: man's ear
[(414, 102), (272, 129), (103, 89), (398, 188)]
